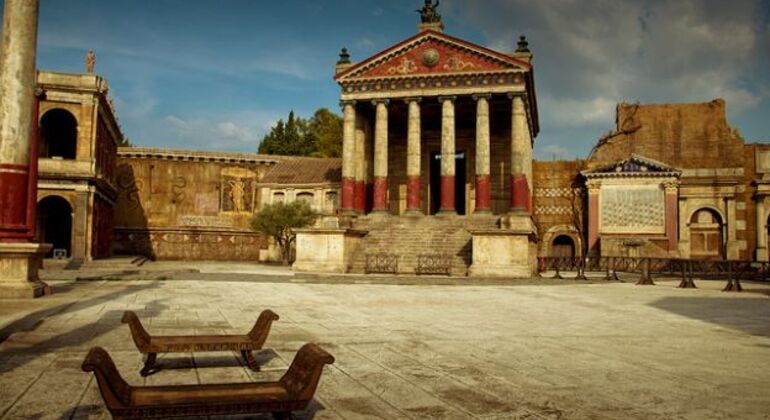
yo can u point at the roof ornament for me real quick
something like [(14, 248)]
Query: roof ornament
[(90, 61), (344, 57), (428, 13), (523, 45)]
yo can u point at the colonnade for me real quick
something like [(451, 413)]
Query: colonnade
[(353, 156)]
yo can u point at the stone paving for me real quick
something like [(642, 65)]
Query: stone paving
[(603, 351)]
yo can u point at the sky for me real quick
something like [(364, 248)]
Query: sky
[(217, 74)]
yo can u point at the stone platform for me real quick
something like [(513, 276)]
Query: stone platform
[(603, 351)]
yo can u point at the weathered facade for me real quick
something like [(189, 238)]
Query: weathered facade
[(78, 141)]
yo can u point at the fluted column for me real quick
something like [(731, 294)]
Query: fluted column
[(361, 165), (413, 143), (381, 156), (672, 209), (521, 156), (17, 87), (348, 157), (482, 153), (447, 155)]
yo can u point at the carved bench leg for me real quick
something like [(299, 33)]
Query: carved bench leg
[(149, 365), (248, 356), (282, 415)]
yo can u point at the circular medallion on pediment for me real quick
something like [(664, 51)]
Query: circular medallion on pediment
[(430, 57)]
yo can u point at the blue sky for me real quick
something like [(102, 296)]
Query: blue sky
[(216, 74)]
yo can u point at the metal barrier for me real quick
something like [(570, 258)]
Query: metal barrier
[(434, 264), (382, 263), (688, 269)]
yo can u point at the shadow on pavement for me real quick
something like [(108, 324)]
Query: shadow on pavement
[(750, 315)]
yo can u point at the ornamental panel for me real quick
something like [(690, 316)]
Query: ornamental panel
[(632, 209)]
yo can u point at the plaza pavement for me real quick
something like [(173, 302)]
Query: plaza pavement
[(534, 351)]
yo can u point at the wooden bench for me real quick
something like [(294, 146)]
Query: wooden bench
[(246, 344), (292, 392)]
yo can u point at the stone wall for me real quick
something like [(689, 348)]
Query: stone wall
[(559, 202), (188, 205)]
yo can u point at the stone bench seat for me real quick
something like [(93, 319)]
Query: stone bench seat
[(246, 344)]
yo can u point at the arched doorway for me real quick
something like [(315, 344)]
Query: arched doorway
[(54, 221), (563, 247), (706, 235), (58, 135)]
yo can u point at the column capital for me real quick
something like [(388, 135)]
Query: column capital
[(383, 101), (671, 186), (593, 186), (514, 95), (411, 99), (447, 98), (477, 96), (344, 103)]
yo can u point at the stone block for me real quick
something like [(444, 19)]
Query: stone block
[(507, 252), (19, 263), (324, 250)]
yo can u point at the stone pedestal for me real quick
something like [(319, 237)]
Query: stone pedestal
[(326, 250), (507, 252), (19, 263)]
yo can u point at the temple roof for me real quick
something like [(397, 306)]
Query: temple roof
[(432, 53), (634, 166)]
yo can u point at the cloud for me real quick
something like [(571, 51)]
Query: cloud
[(238, 132), (591, 54), (552, 152)]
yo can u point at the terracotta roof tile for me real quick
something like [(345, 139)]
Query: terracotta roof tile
[(304, 170)]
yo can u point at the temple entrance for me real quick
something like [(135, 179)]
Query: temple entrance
[(435, 182), (706, 235), (563, 247), (55, 225)]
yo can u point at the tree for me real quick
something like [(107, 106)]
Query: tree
[(320, 136), (279, 220), (578, 216), (326, 128)]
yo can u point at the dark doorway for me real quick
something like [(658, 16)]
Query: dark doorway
[(435, 182), (563, 247), (58, 135), (55, 224)]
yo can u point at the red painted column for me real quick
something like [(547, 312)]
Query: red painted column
[(593, 216), (380, 200), (360, 197), (413, 193), (348, 194), (447, 193), (672, 216), (520, 193), (483, 191)]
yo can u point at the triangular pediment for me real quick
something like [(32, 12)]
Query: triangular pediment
[(430, 53), (636, 165)]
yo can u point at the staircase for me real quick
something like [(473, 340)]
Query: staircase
[(407, 237)]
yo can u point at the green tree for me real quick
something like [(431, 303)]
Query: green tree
[(326, 128), (279, 220), (319, 136)]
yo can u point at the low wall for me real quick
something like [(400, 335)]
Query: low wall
[(189, 244)]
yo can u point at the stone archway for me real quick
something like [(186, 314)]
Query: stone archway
[(58, 135), (706, 235), (563, 247), (54, 221)]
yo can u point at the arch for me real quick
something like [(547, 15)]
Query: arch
[(546, 243), (279, 197), (307, 197), (563, 246), (702, 207), (54, 224), (706, 234), (58, 134)]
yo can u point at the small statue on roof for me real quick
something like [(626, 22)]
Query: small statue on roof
[(90, 61), (428, 13)]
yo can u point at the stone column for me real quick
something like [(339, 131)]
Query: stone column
[(672, 217), (381, 157), (348, 157), (360, 159), (593, 214), (482, 153), (19, 258), (521, 156), (761, 229), (447, 155), (413, 144)]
